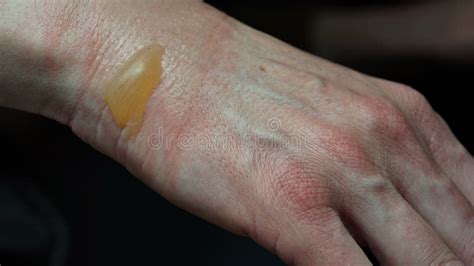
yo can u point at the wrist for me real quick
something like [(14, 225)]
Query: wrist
[(185, 29), (57, 56)]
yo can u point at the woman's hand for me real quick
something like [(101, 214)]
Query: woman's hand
[(308, 158)]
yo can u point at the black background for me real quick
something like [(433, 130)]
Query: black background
[(112, 219)]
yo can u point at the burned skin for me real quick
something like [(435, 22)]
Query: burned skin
[(128, 91)]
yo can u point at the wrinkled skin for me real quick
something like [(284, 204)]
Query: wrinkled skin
[(308, 158)]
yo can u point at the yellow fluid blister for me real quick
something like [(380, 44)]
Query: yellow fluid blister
[(128, 91)]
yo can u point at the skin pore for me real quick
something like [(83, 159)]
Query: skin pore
[(130, 88)]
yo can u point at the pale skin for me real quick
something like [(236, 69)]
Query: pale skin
[(369, 163)]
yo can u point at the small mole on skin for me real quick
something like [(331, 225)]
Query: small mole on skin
[(128, 91)]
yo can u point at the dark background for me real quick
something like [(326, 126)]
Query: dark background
[(58, 196)]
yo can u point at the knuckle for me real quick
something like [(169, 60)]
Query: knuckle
[(346, 149), (385, 118), (415, 102), (420, 108), (412, 95)]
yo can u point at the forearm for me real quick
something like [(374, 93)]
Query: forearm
[(57, 56)]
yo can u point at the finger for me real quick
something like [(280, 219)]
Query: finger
[(439, 140), (444, 147), (438, 200), (453, 158), (394, 231), (434, 195), (322, 243)]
